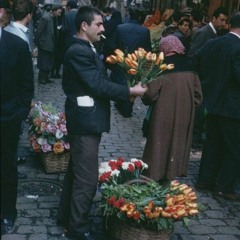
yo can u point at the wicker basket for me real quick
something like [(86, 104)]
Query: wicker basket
[(55, 163), (119, 230)]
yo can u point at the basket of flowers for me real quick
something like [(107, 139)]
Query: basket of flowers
[(136, 207), (48, 136)]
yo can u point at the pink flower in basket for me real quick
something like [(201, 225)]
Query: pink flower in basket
[(47, 131)]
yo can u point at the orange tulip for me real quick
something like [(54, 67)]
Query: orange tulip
[(132, 71), (111, 59), (128, 61), (134, 57)]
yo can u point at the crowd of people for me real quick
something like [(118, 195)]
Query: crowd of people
[(201, 93)]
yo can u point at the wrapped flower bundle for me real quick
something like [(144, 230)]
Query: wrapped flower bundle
[(47, 131)]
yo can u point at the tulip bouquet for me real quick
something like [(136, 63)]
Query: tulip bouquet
[(149, 205), (140, 66), (47, 131)]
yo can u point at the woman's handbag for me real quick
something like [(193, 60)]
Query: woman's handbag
[(147, 120)]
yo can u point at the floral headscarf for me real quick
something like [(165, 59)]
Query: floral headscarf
[(171, 45)]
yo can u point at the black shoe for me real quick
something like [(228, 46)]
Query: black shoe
[(48, 81), (22, 175), (7, 226), (42, 82), (85, 236), (58, 76), (204, 187), (21, 160)]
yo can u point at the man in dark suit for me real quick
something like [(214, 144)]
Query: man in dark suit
[(219, 71), (17, 90), (87, 110), (68, 26), (45, 41), (199, 38)]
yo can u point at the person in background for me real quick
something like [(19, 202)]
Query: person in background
[(87, 109), (58, 43), (22, 11), (219, 71), (45, 41), (109, 26), (17, 92), (107, 14), (170, 29), (175, 95), (183, 33), (207, 32), (128, 37), (68, 24), (196, 21)]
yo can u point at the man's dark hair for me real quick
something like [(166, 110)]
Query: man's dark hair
[(134, 14), (71, 4), (235, 20), (219, 11), (197, 16), (176, 16), (21, 8), (107, 10), (86, 14)]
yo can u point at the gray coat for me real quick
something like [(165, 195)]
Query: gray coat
[(45, 33), (200, 37)]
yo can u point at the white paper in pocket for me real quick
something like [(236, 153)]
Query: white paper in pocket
[(85, 101)]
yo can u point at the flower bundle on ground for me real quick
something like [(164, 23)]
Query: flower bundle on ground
[(140, 66), (146, 203), (47, 131), (120, 171)]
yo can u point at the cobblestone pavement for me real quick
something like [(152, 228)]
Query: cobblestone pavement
[(38, 195)]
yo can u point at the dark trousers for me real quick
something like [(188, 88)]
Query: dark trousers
[(199, 127), (80, 183), (220, 163), (10, 131), (125, 107)]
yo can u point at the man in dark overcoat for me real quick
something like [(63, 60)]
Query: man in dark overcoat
[(220, 75), (17, 90)]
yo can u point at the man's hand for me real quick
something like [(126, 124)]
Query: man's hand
[(138, 90)]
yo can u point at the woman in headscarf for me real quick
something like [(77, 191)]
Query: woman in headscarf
[(175, 95)]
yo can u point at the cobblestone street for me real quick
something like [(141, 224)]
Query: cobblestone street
[(38, 195)]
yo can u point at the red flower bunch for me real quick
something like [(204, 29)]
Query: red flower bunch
[(120, 171)]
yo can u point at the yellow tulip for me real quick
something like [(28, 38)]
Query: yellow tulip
[(118, 52)]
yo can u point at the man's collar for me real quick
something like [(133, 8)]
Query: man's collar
[(235, 34), (213, 28), (19, 25)]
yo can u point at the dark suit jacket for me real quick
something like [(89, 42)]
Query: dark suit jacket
[(17, 88), (130, 36), (85, 75), (200, 37), (219, 72), (68, 26)]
